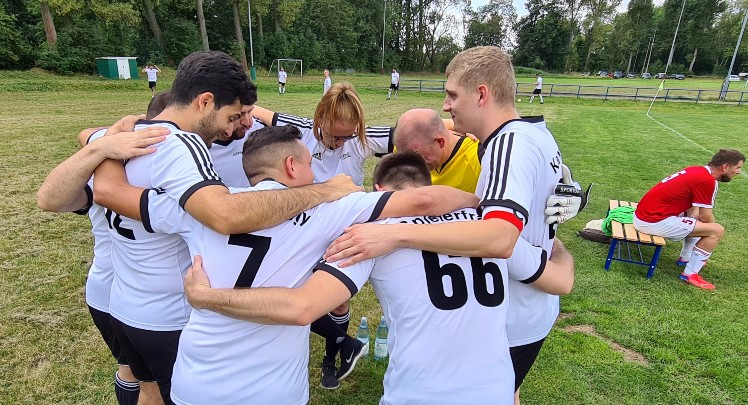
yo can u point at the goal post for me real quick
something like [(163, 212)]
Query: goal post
[(285, 62)]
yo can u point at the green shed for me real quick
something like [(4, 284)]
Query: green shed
[(117, 67)]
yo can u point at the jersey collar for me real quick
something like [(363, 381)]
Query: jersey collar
[(223, 143), (530, 120), (151, 122), (449, 159)]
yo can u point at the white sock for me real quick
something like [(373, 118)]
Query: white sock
[(280, 90), (541, 98), (532, 98), (697, 261), (688, 245)]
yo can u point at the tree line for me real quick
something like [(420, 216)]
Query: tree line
[(66, 36)]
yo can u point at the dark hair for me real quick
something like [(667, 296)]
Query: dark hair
[(402, 169), (212, 72), (266, 147), (158, 103), (729, 156)]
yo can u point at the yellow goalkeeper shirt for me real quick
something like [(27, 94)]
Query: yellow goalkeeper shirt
[(462, 168)]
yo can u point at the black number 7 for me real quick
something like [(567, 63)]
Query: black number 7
[(260, 246)]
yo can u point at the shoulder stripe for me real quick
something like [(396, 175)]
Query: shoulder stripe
[(200, 155), (378, 132), (286, 119), (505, 174)]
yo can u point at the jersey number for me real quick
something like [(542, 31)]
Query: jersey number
[(115, 222), (260, 246), (435, 274)]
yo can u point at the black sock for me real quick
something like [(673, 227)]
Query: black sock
[(332, 346), (127, 392), (331, 331)]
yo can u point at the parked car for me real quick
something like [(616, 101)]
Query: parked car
[(602, 73), (646, 75), (617, 74), (661, 76), (631, 75), (734, 78), (678, 76)]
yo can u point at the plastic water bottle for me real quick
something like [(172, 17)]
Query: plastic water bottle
[(380, 344), (363, 335)]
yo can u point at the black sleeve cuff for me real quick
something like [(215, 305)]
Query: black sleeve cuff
[(89, 201), (275, 119), (145, 216), (539, 272), (187, 194), (380, 206), (339, 275), (391, 141), (512, 205)]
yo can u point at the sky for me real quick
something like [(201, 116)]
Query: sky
[(520, 5)]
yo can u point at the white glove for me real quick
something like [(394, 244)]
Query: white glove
[(567, 200)]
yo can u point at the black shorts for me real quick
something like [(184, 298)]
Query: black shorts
[(151, 85), (103, 322), (522, 359), (281, 84), (151, 354), (394, 86), (536, 91)]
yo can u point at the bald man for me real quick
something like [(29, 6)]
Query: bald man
[(452, 159)]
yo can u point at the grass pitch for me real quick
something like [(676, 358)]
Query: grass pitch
[(622, 339)]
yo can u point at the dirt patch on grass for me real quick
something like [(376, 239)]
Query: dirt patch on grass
[(628, 354)]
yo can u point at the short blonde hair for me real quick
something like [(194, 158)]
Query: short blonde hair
[(340, 104), (487, 65)]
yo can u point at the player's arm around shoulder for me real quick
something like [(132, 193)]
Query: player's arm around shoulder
[(273, 306), (430, 200), (263, 114)]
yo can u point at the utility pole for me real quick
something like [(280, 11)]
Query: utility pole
[(384, 28), (726, 84), (252, 70)]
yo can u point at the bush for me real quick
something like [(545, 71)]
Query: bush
[(15, 51), (522, 70)]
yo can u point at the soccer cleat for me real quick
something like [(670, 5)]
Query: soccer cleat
[(696, 280), (350, 351), (329, 381)]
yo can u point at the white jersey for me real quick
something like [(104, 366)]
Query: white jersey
[(152, 74), (222, 360), (327, 85), (282, 75), (348, 159), (101, 273), (147, 292), (395, 78), (520, 170), (539, 83), (227, 158), (447, 339)]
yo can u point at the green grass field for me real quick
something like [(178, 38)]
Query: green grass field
[(622, 339)]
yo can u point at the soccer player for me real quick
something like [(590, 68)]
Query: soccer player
[(224, 360), (394, 83), (432, 361), (519, 172), (452, 159), (282, 77), (67, 188), (328, 82), (152, 72), (538, 88), (147, 302), (680, 207), (226, 151)]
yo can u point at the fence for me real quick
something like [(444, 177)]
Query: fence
[(605, 92)]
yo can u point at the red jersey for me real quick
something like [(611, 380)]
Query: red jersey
[(692, 186)]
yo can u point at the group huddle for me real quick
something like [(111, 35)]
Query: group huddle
[(211, 197)]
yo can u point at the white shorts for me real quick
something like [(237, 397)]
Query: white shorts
[(674, 228)]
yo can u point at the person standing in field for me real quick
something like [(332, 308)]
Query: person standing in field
[(394, 83), (152, 71), (538, 89), (328, 82), (282, 75)]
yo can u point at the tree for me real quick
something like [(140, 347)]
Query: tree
[(150, 16), (541, 36), (49, 24), (238, 31), (201, 24), (700, 16), (573, 11), (491, 25), (600, 12)]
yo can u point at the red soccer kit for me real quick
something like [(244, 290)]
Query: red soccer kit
[(692, 186)]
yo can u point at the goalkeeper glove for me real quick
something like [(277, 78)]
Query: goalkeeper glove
[(567, 200)]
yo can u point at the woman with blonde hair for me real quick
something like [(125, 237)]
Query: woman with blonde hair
[(337, 136)]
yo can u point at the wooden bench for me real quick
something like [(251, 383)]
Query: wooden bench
[(625, 234)]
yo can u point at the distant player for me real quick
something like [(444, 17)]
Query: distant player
[(328, 82), (152, 72), (282, 77), (538, 89), (519, 171), (223, 360), (394, 83), (680, 207), (438, 337), (452, 159)]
